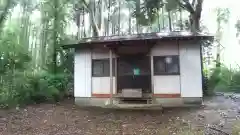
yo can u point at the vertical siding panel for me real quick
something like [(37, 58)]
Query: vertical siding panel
[(190, 69), (152, 74), (88, 74), (82, 73)]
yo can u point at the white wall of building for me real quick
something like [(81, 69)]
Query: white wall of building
[(169, 84), (82, 73), (166, 84), (101, 54), (190, 69), (101, 85), (188, 83), (165, 48)]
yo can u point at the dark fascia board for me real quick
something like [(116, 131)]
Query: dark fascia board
[(111, 40)]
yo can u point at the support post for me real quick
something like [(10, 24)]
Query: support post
[(111, 76)]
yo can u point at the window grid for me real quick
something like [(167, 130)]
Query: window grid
[(100, 67), (166, 65)]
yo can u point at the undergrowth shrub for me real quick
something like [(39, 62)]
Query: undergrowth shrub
[(236, 128), (19, 84), (21, 88), (224, 80), (235, 82)]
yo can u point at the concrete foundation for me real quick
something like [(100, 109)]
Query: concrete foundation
[(163, 102), (98, 102), (177, 102)]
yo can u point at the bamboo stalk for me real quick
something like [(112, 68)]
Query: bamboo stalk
[(119, 17)]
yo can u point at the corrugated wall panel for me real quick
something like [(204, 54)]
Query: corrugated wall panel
[(82, 73)]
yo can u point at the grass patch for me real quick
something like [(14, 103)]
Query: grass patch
[(236, 128)]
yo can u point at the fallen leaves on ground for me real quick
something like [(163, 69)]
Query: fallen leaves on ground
[(67, 119)]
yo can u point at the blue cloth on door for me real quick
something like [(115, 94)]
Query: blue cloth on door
[(136, 71)]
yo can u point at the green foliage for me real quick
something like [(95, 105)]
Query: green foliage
[(12, 55), (27, 47), (235, 82), (5, 6), (44, 89), (22, 88), (19, 84), (171, 5), (223, 79), (149, 13), (236, 128), (223, 15)]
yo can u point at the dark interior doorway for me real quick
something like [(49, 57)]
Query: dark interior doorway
[(134, 72)]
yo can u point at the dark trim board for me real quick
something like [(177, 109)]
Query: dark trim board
[(158, 95), (144, 38), (173, 95)]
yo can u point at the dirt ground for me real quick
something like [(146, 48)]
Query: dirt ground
[(219, 113)]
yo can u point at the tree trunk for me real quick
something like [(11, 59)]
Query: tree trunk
[(113, 29), (170, 21), (195, 23), (195, 11), (92, 18), (119, 18), (106, 27), (222, 17), (55, 36), (163, 19), (218, 63), (43, 44), (196, 16), (100, 18), (35, 51), (94, 25), (138, 12), (129, 22), (108, 18), (25, 24), (9, 5), (181, 22), (218, 39)]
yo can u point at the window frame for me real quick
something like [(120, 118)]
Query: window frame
[(103, 62), (155, 58)]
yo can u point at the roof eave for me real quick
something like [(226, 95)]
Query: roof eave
[(84, 45)]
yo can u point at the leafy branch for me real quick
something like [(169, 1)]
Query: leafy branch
[(3, 15)]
